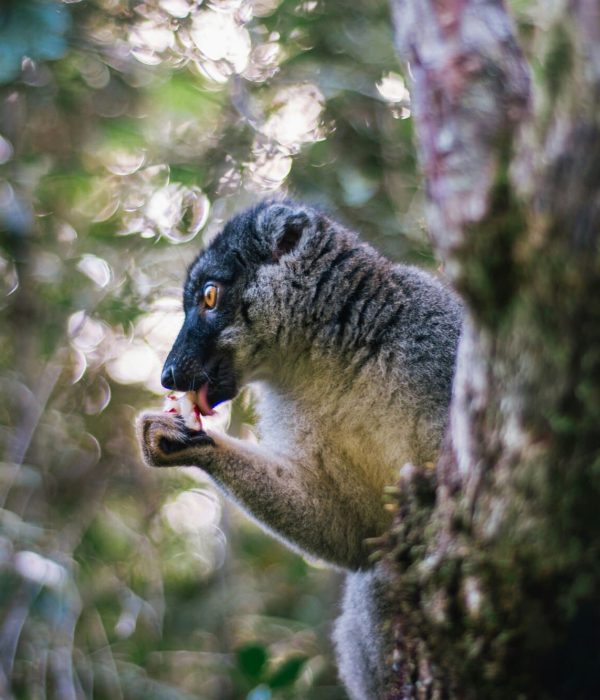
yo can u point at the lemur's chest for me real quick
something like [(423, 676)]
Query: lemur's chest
[(346, 439)]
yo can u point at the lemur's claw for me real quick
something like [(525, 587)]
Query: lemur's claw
[(164, 437)]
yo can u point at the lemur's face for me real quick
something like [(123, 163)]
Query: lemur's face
[(216, 346), (200, 360)]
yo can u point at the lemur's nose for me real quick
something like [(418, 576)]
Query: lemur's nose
[(167, 378)]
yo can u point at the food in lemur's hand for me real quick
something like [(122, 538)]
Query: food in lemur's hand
[(190, 405)]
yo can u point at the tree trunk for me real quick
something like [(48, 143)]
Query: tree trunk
[(495, 557)]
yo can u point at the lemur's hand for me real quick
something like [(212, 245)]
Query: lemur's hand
[(167, 442)]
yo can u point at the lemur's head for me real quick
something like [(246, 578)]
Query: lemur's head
[(237, 294)]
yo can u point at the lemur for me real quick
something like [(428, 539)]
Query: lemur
[(354, 356)]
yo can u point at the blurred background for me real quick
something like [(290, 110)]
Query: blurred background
[(130, 131)]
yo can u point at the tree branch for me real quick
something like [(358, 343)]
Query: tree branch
[(498, 594), (470, 92)]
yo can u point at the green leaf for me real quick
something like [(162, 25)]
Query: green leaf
[(288, 672), (252, 659)]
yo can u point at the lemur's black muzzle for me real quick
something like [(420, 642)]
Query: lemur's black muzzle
[(184, 371), (182, 377), (185, 366), (194, 362)]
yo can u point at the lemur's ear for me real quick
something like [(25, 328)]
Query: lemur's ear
[(290, 235), (284, 225)]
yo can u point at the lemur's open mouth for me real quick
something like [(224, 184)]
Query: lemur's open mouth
[(190, 406), (199, 403)]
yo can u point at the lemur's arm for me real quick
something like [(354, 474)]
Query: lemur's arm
[(287, 497)]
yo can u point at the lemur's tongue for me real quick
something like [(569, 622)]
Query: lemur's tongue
[(202, 401)]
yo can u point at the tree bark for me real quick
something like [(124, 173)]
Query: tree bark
[(496, 557)]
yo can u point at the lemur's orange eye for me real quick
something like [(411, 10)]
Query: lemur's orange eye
[(211, 294)]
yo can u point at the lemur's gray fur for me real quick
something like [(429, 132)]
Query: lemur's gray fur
[(353, 357)]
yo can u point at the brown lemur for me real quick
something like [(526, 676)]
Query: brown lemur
[(354, 356)]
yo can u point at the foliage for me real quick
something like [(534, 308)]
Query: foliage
[(157, 120)]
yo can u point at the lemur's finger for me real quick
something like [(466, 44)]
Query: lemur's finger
[(194, 438)]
